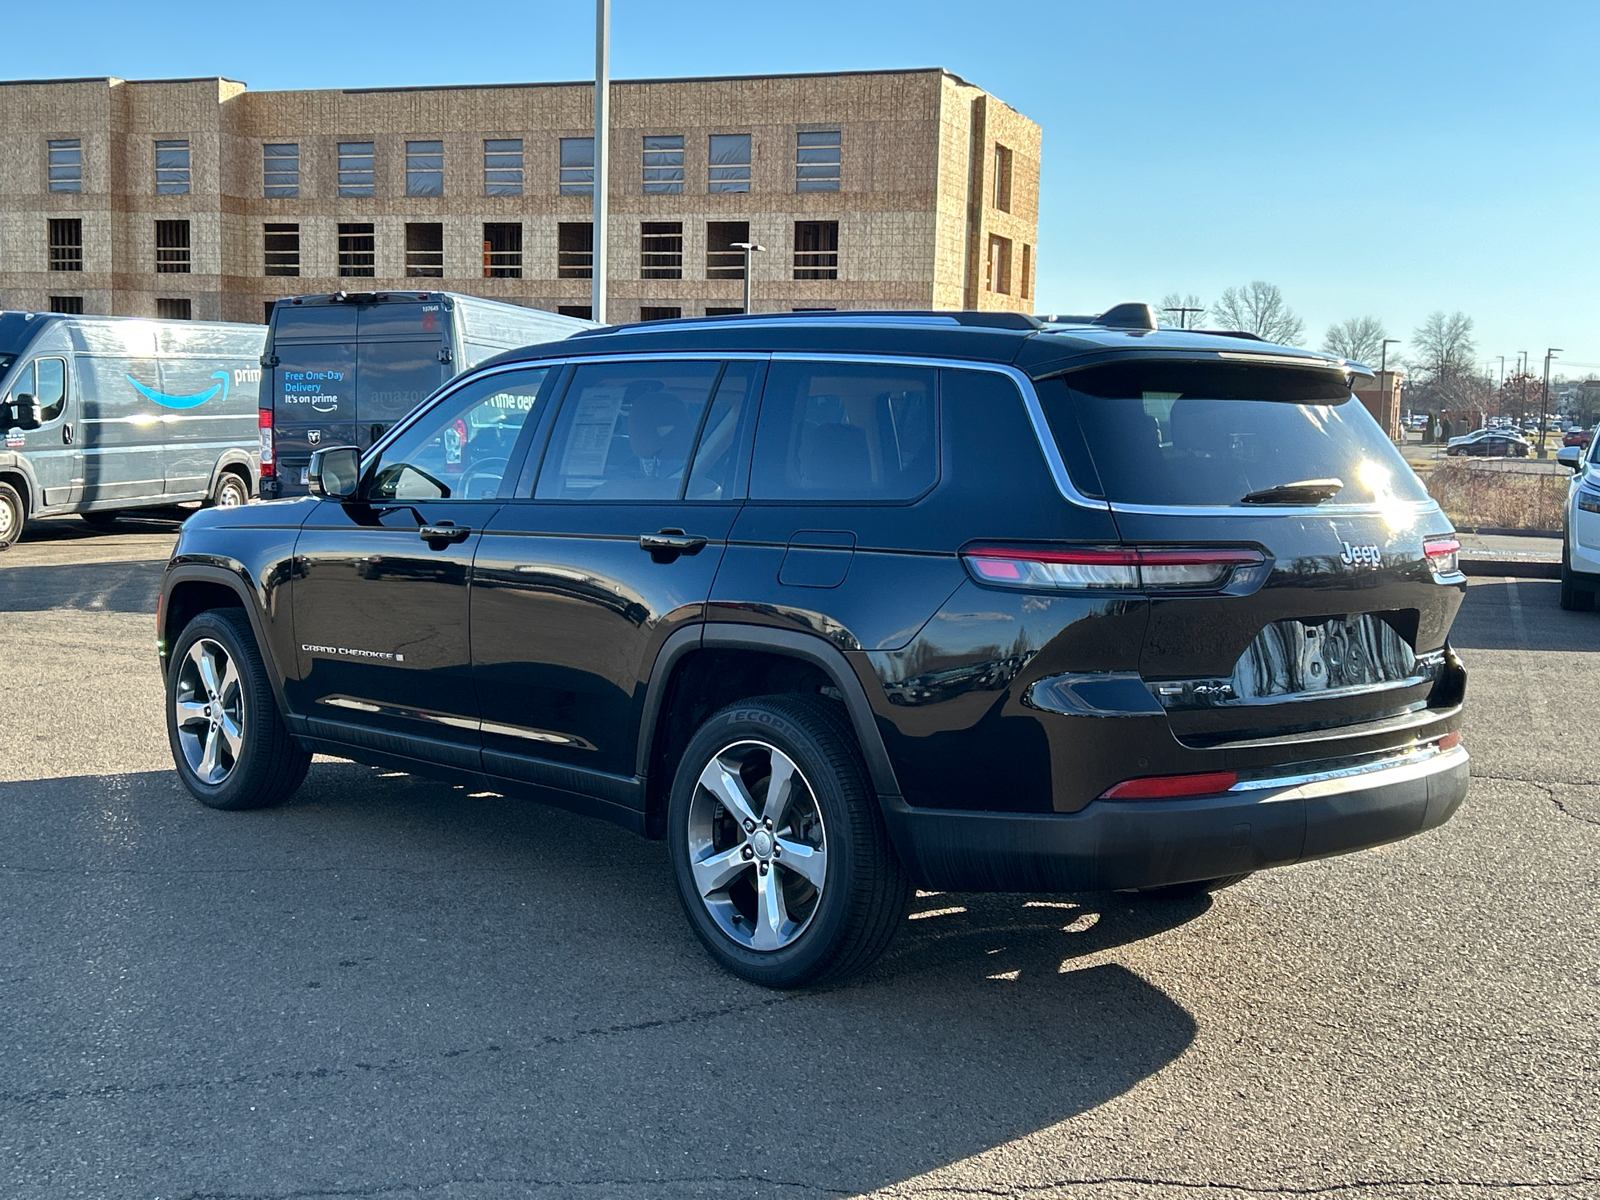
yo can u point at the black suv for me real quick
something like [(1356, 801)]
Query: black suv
[(844, 604)]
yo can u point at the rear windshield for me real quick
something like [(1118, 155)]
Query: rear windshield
[(1172, 433)]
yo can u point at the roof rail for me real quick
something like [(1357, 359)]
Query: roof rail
[(963, 317)]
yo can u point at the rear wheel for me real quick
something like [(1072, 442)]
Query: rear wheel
[(778, 847), (231, 492), (13, 514), (228, 740), (1573, 597)]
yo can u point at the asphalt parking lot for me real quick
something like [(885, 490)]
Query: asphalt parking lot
[(393, 988)]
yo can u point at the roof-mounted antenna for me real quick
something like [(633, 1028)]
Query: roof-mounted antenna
[(1128, 316)]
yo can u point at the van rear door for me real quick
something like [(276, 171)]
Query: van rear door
[(313, 384)]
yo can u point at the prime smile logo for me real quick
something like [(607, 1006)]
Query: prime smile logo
[(195, 400)]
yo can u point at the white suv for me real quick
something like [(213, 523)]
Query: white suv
[(1580, 539)]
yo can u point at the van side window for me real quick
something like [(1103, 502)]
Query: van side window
[(846, 431), (52, 387)]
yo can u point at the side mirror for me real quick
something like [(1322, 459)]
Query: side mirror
[(20, 413), (335, 472), (1570, 457)]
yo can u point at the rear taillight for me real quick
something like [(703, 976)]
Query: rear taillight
[(1122, 569), (1441, 554), (264, 422), (1172, 787)]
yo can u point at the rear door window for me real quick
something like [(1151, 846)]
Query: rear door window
[(846, 431), (1185, 434), (395, 377)]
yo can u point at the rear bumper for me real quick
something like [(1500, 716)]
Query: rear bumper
[(1147, 843)]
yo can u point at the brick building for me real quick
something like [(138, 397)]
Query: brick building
[(198, 197)]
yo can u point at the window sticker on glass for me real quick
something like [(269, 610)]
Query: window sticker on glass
[(592, 430)]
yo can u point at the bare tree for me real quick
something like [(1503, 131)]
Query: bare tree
[(1360, 339), (1444, 344), (1181, 312), (1259, 308)]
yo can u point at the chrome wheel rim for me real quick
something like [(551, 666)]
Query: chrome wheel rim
[(208, 710), (758, 849)]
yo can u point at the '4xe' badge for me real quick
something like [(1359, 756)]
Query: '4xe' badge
[(1360, 556), (314, 436)]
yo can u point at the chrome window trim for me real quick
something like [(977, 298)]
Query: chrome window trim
[(1416, 508)]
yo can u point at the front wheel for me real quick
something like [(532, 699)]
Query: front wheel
[(228, 740), (778, 847), (13, 514)]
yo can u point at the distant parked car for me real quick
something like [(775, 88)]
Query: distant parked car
[(1489, 443), (1577, 437)]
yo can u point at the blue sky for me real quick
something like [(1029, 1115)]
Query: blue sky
[(1382, 158)]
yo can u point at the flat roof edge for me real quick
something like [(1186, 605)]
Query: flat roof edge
[(589, 83)]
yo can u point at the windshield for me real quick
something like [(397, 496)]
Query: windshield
[(1177, 433), (5, 363)]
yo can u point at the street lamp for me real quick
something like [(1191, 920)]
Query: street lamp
[(1544, 402), (602, 157), (748, 248)]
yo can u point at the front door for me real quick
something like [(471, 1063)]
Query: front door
[(578, 586), (381, 586), (50, 449)]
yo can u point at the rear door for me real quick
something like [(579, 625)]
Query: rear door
[(1345, 618), (313, 386), (401, 360)]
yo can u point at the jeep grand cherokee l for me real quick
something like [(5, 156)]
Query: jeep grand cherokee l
[(845, 604)]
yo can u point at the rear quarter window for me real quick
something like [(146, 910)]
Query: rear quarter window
[(1186, 434)]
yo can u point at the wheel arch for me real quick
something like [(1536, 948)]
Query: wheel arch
[(17, 473), (237, 462), (784, 660), (191, 589)]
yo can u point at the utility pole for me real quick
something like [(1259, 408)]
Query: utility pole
[(1544, 404), (602, 155), (1522, 410), (748, 248), (1183, 314)]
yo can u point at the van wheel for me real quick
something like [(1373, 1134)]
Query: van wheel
[(228, 740), (13, 515), (1573, 597), (778, 847), (231, 492)]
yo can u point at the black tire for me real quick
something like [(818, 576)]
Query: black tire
[(100, 520), (269, 765), (865, 891), (231, 492), (1573, 597), (13, 515), (1198, 887)]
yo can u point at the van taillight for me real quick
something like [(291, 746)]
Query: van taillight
[(1094, 567), (265, 423)]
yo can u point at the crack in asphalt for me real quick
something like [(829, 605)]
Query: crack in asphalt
[(109, 1091), (1549, 789)]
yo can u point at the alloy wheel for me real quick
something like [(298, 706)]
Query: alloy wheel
[(208, 707), (757, 846)]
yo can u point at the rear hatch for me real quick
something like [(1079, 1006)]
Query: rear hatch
[(1341, 626), (347, 370)]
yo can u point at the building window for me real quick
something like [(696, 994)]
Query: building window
[(266, 316), (1026, 280), (424, 168), (355, 169), (722, 312), (502, 250), (647, 313), (816, 249), (357, 250), (66, 165), (172, 168), (172, 247), (577, 166), (280, 170), (1002, 178), (173, 310), (502, 166), (816, 163), (575, 250), (424, 250), (585, 311), (722, 260), (281, 249), (72, 305), (998, 276), (66, 244), (661, 250), (730, 163), (663, 164)]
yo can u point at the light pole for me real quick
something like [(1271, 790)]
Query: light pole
[(748, 248), (1544, 402), (1522, 406), (1183, 314), (602, 156)]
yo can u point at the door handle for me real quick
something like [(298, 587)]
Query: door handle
[(66, 435), (668, 544), (443, 534)]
